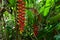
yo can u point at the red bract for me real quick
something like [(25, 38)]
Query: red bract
[(20, 21), (19, 10), (22, 25), (19, 5), (23, 9), (23, 12), (23, 6), (35, 33), (21, 28), (21, 15), (35, 29), (22, 18)]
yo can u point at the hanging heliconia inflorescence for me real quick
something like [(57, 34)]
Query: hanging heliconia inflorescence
[(21, 14), (35, 30), (35, 26)]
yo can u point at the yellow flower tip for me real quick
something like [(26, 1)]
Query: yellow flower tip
[(21, 31)]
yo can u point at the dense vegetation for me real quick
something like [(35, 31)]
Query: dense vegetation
[(44, 15)]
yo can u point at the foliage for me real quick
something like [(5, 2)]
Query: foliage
[(48, 28)]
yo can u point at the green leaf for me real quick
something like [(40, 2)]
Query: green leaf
[(46, 11), (12, 2)]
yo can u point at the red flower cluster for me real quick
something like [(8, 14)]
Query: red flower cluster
[(35, 29), (21, 14)]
